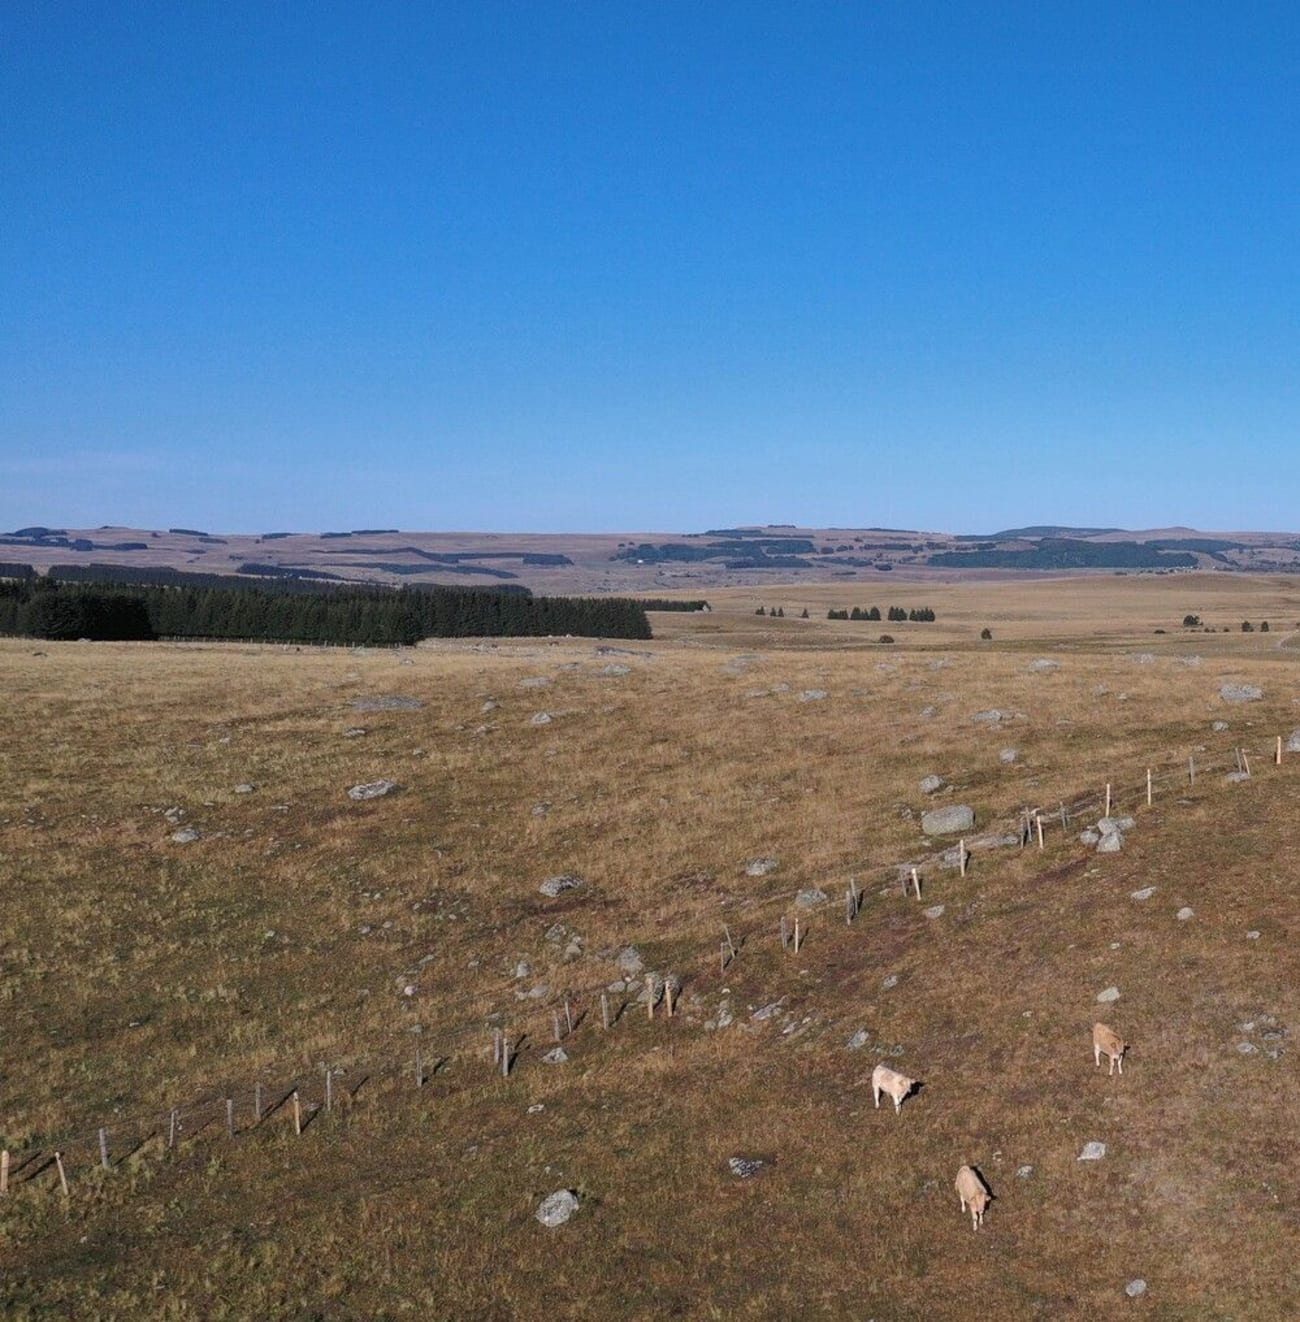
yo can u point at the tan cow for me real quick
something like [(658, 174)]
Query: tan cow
[(883, 1079), (971, 1190), (1108, 1041)]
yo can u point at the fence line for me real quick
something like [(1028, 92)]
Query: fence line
[(187, 1122)]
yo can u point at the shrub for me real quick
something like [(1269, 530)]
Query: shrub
[(804, 614), (886, 637), (986, 634), (1191, 621), (1247, 627), (1263, 628)]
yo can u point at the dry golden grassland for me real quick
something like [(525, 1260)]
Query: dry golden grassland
[(138, 974)]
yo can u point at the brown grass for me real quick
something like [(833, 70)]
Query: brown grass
[(137, 974)]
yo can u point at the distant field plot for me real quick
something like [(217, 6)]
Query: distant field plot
[(194, 911)]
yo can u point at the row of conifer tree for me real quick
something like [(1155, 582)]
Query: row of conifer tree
[(381, 616)]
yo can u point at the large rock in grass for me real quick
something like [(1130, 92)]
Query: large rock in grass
[(555, 1209), (554, 886), (373, 789), (948, 821), (1240, 693)]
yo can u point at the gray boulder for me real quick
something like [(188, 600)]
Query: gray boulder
[(1107, 996), (947, 821), (1008, 756), (555, 1209), (630, 962), (810, 898), (933, 784), (1110, 844), (1240, 693), (990, 717), (387, 702), (372, 789), (760, 867), (1093, 1151), (556, 1056), (1044, 663), (554, 886), (185, 836), (811, 695)]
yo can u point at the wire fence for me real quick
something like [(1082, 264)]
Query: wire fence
[(486, 1038)]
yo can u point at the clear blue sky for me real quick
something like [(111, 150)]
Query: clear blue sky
[(648, 266)]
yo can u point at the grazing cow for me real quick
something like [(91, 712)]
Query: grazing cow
[(971, 1190), (883, 1079), (1107, 1040)]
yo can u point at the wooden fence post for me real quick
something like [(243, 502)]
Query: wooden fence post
[(4, 1171), (230, 1117), (103, 1148), (257, 1102), (961, 856), (857, 898), (329, 1088), (1107, 812), (722, 959), (1065, 821), (650, 996), (1038, 822), (297, 1113), (568, 1018), (555, 1024), (1148, 787), (505, 1055), (916, 882), (785, 932), (1191, 770), (1277, 757), (63, 1175), (796, 936), (604, 1008), (731, 945), (171, 1129), (419, 1069), (1245, 763)]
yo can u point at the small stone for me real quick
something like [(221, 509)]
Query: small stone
[(536, 1109), (947, 821), (1107, 996), (186, 836), (990, 717), (1145, 893), (810, 898), (810, 695), (1252, 935), (614, 669), (1092, 1151), (1044, 663), (541, 718), (1219, 726), (535, 682), (1240, 693), (523, 969), (1110, 844), (554, 886), (760, 867), (891, 980), (1089, 837), (1024, 1172), (556, 1056), (934, 911), (859, 1040), (574, 949), (1247, 1048), (630, 962), (387, 702), (540, 809), (931, 784), (355, 732), (1293, 742), (1184, 914), (1135, 1288), (373, 789), (1237, 777), (745, 1168), (767, 1011), (557, 1208), (725, 1016), (245, 789), (1008, 756)]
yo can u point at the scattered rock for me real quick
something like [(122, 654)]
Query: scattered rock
[(947, 821), (1024, 1172), (555, 1209), (535, 682), (523, 969), (745, 1168), (1109, 995), (554, 886), (1044, 663), (1089, 837), (1093, 1151), (811, 695), (245, 789), (1184, 914), (1008, 756), (859, 1040), (355, 732), (1240, 693), (891, 980), (372, 789), (766, 1012), (1219, 726), (555, 933), (556, 1056), (1145, 893), (1237, 777), (386, 702), (760, 867), (185, 836), (1293, 742), (1110, 844), (1135, 1288), (630, 962), (1109, 826), (990, 717), (540, 809), (615, 669), (1247, 1048), (1252, 935), (931, 784), (810, 898), (541, 718), (1144, 658), (934, 911)]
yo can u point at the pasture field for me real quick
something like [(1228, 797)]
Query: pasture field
[(302, 930)]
